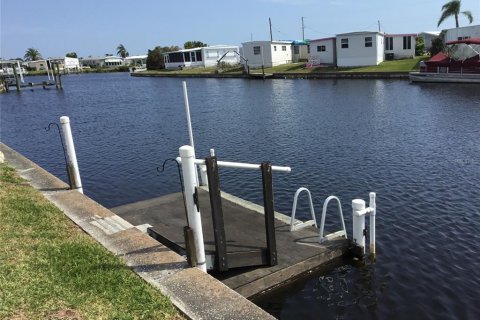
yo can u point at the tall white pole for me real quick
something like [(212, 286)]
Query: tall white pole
[(373, 206), (358, 224), (48, 72), (20, 71), (72, 157), (203, 169), (194, 218)]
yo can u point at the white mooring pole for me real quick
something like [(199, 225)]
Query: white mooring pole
[(203, 169), (359, 213), (373, 206), (72, 157), (187, 155), (20, 72), (358, 205)]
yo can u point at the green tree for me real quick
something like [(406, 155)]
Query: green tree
[(155, 60), (121, 51), (419, 46), (194, 44), (452, 8), (32, 54), (437, 46), (71, 55)]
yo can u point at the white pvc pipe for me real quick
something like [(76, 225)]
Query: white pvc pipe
[(194, 218), (240, 165), (358, 224), (203, 170), (20, 71), (373, 206), (72, 157), (294, 207)]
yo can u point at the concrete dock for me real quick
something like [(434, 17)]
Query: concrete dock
[(298, 252)]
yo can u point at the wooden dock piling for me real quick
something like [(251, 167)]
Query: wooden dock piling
[(17, 81)]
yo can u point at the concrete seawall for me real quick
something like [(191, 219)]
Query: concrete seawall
[(197, 294), (285, 75)]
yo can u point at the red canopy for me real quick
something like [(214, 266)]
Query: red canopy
[(466, 41)]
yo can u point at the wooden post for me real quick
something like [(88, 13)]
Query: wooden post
[(17, 82), (269, 213), (59, 76), (52, 67)]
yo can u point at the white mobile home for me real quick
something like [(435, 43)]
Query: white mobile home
[(428, 37), (363, 48), (106, 61), (201, 57), (323, 52), (398, 46), (461, 33), (140, 61), (267, 53), (300, 50)]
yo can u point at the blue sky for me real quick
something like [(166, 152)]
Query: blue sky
[(88, 27)]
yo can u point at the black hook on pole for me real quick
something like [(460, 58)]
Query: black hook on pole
[(162, 169), (61, 139)]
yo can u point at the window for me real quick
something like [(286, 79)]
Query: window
[(256, 50), (186, 57), (344, 43), (388, 43), (321, 49), (308, 48), (284, 48), (199, 55), (407, 43), (463, 38), (274, 48), (296, 50), (193, 56), (368, 42)]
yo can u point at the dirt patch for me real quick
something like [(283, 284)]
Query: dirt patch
[(69, 314)]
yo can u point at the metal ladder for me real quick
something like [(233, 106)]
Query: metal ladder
[(297, 225)]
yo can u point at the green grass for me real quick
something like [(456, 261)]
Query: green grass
[(51, 269), (403, 65)]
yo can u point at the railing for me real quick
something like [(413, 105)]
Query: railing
[(297, 226), (342, 232)]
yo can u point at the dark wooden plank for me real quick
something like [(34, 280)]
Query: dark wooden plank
[(269, 213), (217, 214), (247, 258)]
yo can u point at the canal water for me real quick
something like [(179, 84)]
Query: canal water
[(416, 146)]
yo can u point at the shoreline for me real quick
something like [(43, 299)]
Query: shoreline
[(281, 75)]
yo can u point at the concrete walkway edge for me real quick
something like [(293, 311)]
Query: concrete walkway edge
[(195, 293)]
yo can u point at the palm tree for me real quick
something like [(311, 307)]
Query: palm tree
[(121, 51), (452, 8), (32, 54)]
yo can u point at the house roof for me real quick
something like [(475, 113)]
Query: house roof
[(431, 33), (268, 41), (323, 39), (358, 33), (144, 56), (401, 34)]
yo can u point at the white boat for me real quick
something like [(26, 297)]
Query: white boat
[(460, 63), (137, 69)]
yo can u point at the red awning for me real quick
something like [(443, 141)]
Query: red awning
[(466, 41), (439, 57)]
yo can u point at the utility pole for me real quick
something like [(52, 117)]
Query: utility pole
[(379, 26), (303, 30), (270, 23)]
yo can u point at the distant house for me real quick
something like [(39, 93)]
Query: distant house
[(323, 52), (363, 48), (201, 57), (398, 46), (140, 60), (428, 37), (300, 50), (37, 65), (67, 64), (460, 33), (267, 53), (102, 62)]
